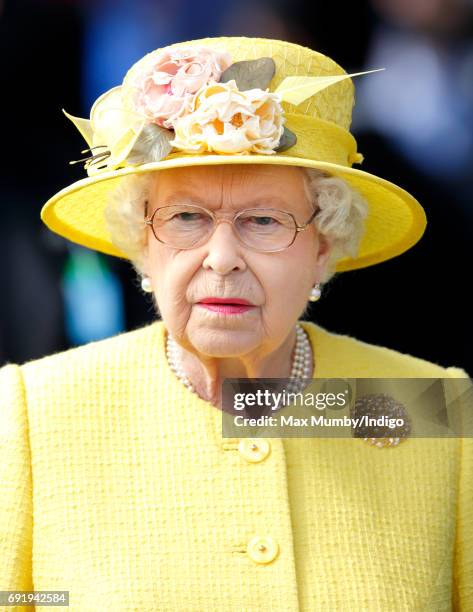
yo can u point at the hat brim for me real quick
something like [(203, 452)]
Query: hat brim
[(396, 220)]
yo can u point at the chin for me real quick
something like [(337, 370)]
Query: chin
[(223, 341), (202, 318)]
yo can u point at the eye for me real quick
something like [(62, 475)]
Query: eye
[(187, 216), (261, 221), (264, 220)]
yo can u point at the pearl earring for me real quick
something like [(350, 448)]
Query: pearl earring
[(146, 284), (315, 293)]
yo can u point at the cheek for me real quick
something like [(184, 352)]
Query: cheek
[(171, 272), (288, 282)]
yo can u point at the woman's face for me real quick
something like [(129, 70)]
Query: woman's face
[(277, 284)]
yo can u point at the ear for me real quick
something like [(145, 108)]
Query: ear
[(323, 255), (145, 259), (325, 245)]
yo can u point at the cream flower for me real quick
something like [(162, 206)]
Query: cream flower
[(111, 132), (226, 120), (165, 89)]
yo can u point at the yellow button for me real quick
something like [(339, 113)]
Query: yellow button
[(254, 450), (262, 550)]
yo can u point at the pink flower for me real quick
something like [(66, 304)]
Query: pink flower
[(165, 90)]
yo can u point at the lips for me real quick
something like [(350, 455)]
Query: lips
[(226, 306)]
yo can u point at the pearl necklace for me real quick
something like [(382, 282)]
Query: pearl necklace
[(301, 362)]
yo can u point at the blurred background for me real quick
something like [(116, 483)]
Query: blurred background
[(413, 123)]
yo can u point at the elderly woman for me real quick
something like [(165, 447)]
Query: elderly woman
[(119, 489), (224, 249)]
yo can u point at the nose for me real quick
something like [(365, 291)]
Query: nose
[(223, 250)]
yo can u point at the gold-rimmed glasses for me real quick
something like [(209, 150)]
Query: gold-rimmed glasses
[(188, 226)]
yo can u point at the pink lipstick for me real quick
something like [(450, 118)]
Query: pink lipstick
[(226, 305)]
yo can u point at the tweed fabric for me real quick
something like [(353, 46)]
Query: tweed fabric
[(118, 486)]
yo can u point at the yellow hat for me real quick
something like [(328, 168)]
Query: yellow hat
[(184, 105)]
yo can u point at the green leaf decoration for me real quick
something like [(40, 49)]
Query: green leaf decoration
[(296, 89), (288, 139), (151, 145), (250, 74), (83, 125)]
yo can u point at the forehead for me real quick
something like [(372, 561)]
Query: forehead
[(232, 185)]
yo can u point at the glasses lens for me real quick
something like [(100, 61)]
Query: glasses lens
[(182, 226), (266, 229)]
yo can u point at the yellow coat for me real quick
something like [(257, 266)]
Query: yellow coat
[(117, 486)]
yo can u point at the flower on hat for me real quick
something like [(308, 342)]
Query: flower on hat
[(194, 100), (111, 131), (227, 120), (165, 89)]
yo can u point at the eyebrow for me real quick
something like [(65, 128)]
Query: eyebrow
[(180, 196)]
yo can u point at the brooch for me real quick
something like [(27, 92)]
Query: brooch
[(380, 419)]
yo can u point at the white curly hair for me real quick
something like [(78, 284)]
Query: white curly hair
[(341, 217)]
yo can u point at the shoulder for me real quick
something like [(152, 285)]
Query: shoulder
[(111, 355), (360, 358)]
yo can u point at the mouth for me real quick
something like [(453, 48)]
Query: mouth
[(226, 305)]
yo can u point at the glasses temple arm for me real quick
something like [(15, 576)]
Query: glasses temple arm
[(301, 227)]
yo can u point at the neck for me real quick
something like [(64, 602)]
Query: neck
[(207, 373)]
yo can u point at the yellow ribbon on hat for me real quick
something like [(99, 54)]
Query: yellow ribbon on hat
[(321, 140), (355, 158)]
